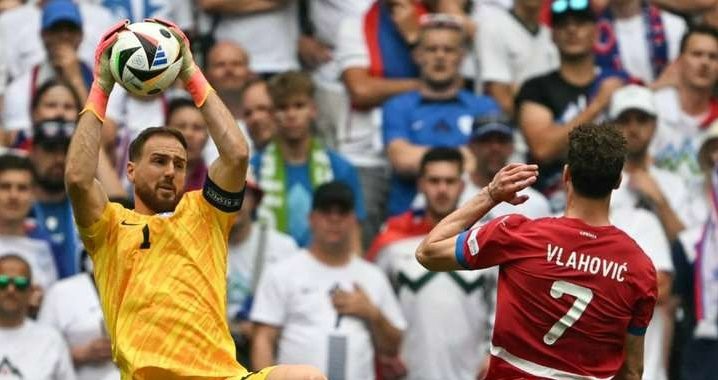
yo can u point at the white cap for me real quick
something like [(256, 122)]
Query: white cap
[(632, 97)]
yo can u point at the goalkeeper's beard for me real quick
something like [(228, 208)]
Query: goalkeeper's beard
[(154, 202)]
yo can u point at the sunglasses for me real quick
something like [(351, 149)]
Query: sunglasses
[(560, 6), (21, 283)]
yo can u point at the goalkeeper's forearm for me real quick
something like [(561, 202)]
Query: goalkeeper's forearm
[(84, 152)]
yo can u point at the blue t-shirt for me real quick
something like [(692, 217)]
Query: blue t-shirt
[(299, 193), (56, 220), (430, 123)]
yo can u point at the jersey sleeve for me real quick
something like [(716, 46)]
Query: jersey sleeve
[(645, 303), (490, 244), (97, 234)]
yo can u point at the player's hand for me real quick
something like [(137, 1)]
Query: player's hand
[(188, 65), (511, 179), (355, 303), (94, 352), (102, 75)]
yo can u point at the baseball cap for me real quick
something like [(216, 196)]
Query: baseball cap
[(334, 193), (56, 11), (562, 9), (632, 97), (483, 127), (52, 134)]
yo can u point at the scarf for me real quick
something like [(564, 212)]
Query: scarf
[(389, 55), (273, 181), (706, 270), (606, 48)]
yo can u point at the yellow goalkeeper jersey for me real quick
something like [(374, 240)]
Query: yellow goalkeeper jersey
[(162, 286)]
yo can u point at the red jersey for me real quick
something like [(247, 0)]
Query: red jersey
[(567, 295)]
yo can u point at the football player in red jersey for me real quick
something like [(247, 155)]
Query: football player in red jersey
[(575, 293)]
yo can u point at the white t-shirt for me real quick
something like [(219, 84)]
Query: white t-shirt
[(295, 294), (72, 306), (633, 47), (536, 206), (359, 140), (242, 258), (326, 16), (646, 230), (678, 137), (177, 11), (34, 352), (37, 253), (671, 185), (20, 35), (508, 52), (429, 300), (269, 37)]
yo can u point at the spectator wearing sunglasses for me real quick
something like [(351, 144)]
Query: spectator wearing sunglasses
[(550, 106), (28, 350), (637, 37)]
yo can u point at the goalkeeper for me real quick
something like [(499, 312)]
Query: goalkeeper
[(160, 268)]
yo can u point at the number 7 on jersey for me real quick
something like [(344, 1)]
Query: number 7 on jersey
[(583, 298)]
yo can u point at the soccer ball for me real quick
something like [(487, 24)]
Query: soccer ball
[(146, 58)]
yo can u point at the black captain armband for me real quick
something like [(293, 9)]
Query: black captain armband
[(221, 199)]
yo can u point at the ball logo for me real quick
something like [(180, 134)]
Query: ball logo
[(160, 57)]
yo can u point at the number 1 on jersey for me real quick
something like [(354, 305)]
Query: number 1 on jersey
[(583, 298)]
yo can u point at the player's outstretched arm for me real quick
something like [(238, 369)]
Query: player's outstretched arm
[(437, 251), (86, 194), (230, 169), (632, 368)]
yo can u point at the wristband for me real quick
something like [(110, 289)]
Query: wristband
[(96, 102), (198, 87)]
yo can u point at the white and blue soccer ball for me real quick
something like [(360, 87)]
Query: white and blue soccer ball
[(146, 58)]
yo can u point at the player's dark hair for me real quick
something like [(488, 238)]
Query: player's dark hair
[(286, 85), (17, 257), (703, 29), (596, 153), (139, 142), (50, 84), (178, 104), (441, 154), (15, 162)]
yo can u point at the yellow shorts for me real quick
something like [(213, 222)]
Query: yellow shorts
[(259, 375)]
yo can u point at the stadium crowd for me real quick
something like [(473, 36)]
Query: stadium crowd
[(369, 121)]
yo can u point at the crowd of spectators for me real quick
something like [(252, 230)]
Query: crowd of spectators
[(369, 121)]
